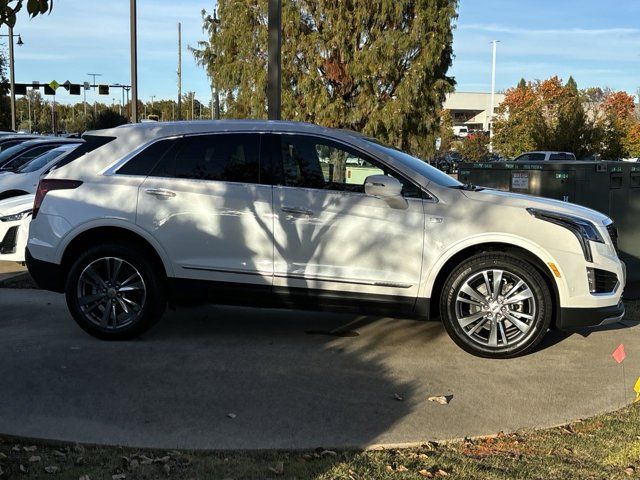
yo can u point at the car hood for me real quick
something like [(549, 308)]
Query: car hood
[(13, 205), (511, 199)]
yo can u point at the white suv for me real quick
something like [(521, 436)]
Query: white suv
[(295, 215)]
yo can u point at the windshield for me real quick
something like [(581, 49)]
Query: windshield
[(10, 152), (423, 168), (43, 160)]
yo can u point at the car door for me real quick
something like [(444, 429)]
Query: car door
[(210, 207), (332, 237)]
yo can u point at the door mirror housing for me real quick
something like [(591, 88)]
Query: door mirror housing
[(386, 188)]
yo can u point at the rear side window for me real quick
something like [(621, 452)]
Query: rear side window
[(91, 143), (221, 157), (536, 157), (143, 163)]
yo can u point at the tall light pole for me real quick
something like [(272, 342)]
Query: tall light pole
[(493, 93), (95, 97), (179, 71), (12, 75), (274, 65), (134, 62)]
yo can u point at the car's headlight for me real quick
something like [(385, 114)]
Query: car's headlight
[(16, 216), (583, 229)]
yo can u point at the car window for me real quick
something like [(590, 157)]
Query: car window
[(522, 158), (8, 144), (42, 161), (312, 162), (23, 158), (222, 157), (557, 156), (143, 162), (536, 157)]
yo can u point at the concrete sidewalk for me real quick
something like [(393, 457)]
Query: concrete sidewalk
[(176, 387)]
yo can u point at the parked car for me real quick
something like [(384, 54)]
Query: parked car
[(544, 157), (15, 215), (25, 179), (461, 131), (8, 141), (16, 156), (242, 212)]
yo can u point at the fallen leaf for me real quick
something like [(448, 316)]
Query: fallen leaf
[(441, 399), (398, 397), (2, 455), (34, 458), (425, 473), (166, 469), (441, 473), (59, 454), (23, 469), (401, 468), (78, 448), (164, 459), (329, 453), (231, 415), (85, 477), (144, 460), (32, 448), (278, 469), (118, 476), (16, 448), (51, 469), (423, 456), (133, 464), (389, 468), (630, 470), (79, 460)]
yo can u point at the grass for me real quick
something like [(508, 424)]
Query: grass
[(607, 446)]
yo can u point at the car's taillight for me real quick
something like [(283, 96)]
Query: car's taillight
[(47, 185)]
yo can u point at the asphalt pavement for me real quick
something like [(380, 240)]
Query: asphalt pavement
[(238, 378)]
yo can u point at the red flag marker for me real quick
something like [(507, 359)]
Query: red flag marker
[(619, 354)]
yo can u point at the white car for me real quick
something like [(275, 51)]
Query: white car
[(25, 179), (15, 215), (270, 214), (545, 157)]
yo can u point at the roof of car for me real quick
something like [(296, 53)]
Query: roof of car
[(44, 141), (545, 152)]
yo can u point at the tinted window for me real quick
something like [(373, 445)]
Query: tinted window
[(316, 163), (9, 144), (23, 158), (222, 157), (91, 142), (522, 158), (43, 160), (143, 162), (536, 157)]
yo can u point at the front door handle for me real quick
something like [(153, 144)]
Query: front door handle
[(160, 193), (297, 211)]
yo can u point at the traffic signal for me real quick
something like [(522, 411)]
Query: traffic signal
[(74, 89), (103, 89), (48, 90), (20, 88)]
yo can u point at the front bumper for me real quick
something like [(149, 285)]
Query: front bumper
[(575, 318), (48, 276)]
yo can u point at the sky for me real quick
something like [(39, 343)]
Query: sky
[(598, 42)]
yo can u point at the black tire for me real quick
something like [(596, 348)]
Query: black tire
[(538, 306), (152, 306)]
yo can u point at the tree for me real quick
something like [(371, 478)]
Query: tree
[(107, 119), (375, 67), (447, 136), (474, 148), (513, 128), (9, 9), (5, 101)]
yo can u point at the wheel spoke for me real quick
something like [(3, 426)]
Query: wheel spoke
[(514, 289), (123, 305), (526, 294), (132, 287), (493, 334), (116, 270), (497, 284), (487, 283), (93, 275), (133, 304), (90, 299), (520, 325), (469, 301), (472, 292), (478, 326), (105, 314), (502, 334), (131, 278), (466, 321), (526, 316)]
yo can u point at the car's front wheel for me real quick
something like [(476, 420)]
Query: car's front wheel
[(115, 292), (496, 305)]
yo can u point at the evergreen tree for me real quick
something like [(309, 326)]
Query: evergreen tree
[(375, 67)]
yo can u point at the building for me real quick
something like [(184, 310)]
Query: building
[(472, 109)]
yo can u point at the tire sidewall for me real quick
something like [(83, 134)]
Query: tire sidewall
[(154, 301), (514, 266)]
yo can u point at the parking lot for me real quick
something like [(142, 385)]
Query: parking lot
[(225, 378)]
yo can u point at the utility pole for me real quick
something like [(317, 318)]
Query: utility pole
[(12, 80), (193, 97), (274, 66), (152, 97), (95, 97), (215, 97), (493, 94), (134, 63), (29, 106), (179, 71)]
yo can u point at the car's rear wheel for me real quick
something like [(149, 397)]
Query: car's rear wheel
[(496, 305), (115, 292)]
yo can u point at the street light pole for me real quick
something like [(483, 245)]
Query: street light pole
[(95, 97), (179, 71), (493, 94), (12, 80), (134, 63)]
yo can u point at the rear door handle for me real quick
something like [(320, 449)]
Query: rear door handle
[(297, 211), (160, 193)]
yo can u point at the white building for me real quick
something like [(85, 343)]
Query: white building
[(472, 109)]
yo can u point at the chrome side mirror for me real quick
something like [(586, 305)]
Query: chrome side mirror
[(386, 188)]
